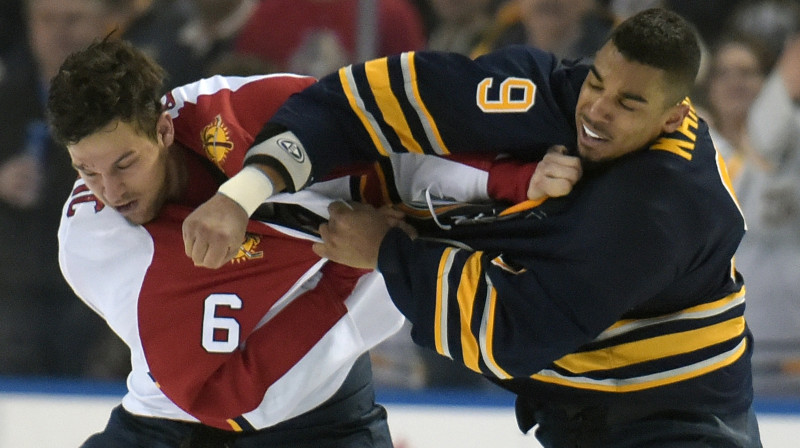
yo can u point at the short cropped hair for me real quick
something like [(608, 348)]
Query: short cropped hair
[(107, 81), (662, 39)]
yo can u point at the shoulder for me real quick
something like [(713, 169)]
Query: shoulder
[(679, 175), (93, 231), (98, 248), (564, 77), (218, 88), (520, 54)]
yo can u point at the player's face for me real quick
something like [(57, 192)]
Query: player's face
[(622, 106), (125, 169)]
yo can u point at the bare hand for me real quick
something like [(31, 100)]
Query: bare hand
[(396, 218), (20, 181), (555, 175), (214, 232), (353, 235)]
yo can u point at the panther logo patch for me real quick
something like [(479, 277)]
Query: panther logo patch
[(216, 141), (249, 249)]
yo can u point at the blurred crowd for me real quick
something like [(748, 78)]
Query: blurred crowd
[(748, 91)]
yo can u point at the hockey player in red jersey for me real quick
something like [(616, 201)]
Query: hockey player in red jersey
[(252, 354)]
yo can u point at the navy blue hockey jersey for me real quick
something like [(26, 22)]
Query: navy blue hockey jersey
[(623, 290)]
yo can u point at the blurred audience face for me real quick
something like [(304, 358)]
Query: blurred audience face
[(736, 78), (459, 11), (553, 24), (60, 27)]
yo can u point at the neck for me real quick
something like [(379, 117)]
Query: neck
[(177, 175)]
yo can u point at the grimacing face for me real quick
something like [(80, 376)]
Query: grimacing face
[(622, 106), (125, 169)]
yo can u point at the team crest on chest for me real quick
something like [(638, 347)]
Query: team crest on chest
[(216, 141), (249, 249)]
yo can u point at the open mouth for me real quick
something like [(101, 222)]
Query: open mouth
[(126, 207), (591, 134)]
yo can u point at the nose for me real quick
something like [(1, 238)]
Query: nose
[(113, 190), (600, 109)]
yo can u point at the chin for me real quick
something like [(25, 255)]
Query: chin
[(135, 220), (140, 218)]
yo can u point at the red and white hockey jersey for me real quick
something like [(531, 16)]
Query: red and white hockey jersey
[(264, 338)]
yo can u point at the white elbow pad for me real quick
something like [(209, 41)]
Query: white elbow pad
[(285, 153)]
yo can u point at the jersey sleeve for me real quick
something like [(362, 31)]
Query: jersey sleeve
[(500, 314), (219, 117), (417, 178), (516, 100)]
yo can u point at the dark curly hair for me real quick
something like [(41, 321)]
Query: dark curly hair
[(664, 40), (108, 80)]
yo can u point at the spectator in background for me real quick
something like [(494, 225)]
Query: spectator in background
[(771, 21), (770, 251), (316, 37), (12, 31), (568, 28), (710, 17), (212, 32), (154, 26), (459, 24), (738, 67), (44, 329)]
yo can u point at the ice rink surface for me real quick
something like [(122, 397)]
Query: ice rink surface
[(62, 414)]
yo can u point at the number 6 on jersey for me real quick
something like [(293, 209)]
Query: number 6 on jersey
[(214, 326)]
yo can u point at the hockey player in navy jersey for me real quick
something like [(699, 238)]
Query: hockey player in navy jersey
[(614, 313)]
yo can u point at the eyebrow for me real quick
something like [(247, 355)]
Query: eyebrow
[(625, 95), (83, 167)]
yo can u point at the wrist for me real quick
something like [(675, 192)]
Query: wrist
[(510, 180), (249, 188)]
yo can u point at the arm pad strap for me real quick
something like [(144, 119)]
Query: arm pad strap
[(286, 154)]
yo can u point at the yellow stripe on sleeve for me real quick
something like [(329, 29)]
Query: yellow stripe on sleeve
[(467, 288), (345, 78), (412, 92), (696, 312), (648, 381), (378, 78), (442, 292), (658, 347), (487, 334)]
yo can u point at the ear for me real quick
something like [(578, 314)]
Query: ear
[(165, 129), (675, 116)]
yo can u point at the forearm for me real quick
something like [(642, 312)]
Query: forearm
[(431, 103), (502, 330)]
